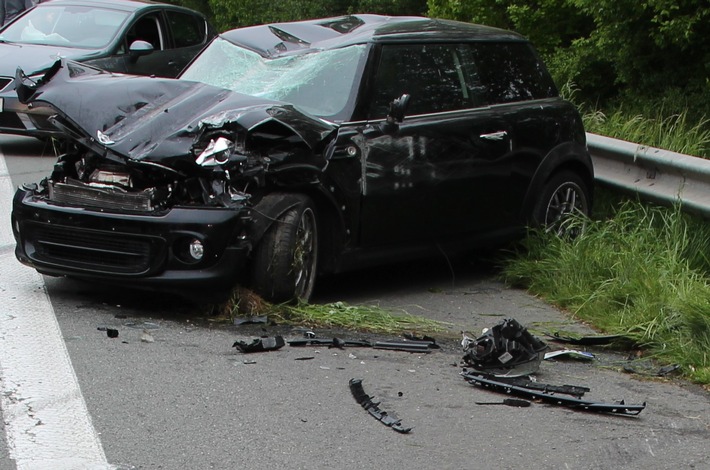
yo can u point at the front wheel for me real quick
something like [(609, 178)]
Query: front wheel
[(286, 259), (563, 197)]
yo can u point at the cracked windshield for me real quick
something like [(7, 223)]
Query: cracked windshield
[(319, 82)]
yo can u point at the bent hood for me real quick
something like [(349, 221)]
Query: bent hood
[(154, 119)]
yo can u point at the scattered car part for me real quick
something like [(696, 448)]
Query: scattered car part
[(373, 407), (413, 337), (112, 332), (260, 344), (507, 349), (489, 382), (331, 343), (574, 390), (662, 372), (408, 346), (508, 402), (569, 354), (599, 340)]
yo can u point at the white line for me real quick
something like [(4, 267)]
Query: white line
[(46, 420)]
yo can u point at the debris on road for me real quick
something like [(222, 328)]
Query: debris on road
[(492, 383), (419, 346), (597, 340), (373, 407), (507, 349), (146, 337), (507, 402), (260, 344), (569, 354), (661, 372)]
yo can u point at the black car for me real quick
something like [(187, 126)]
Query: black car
[(287, 150), (126, 36)]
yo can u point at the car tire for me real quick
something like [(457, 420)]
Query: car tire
[(564, 194), (286, 259)]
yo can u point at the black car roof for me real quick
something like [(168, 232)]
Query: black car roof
[(281, 38)]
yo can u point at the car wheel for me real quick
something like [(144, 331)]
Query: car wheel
[(564, 195), (286, 259)]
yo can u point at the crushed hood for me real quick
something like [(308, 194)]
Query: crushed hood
[(154, 119)]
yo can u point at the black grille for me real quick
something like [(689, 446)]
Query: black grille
[(90, 250)]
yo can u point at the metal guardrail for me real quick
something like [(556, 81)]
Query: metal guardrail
[(656, 175)]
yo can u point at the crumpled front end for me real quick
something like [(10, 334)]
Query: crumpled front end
[(160, 193)]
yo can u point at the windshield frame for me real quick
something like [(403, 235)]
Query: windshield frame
[(195, 71)]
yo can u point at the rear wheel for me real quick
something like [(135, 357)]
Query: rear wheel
[(286, 259), (563, 196)]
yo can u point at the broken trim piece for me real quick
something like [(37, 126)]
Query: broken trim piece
[(487, 381), (373, 407)]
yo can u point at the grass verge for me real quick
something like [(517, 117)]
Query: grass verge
[(642, 271)]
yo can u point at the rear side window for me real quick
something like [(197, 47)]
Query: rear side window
[(188, 30), (510, 72)]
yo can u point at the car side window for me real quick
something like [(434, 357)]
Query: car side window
[(147, 29), (188, 30), (436, 76), (511, 72)]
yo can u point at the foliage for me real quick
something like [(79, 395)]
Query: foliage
[(642, 272), (610, 48)]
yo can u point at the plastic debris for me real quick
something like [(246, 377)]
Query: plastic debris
[(569, 354), (507, 349), (599, 340), (146, 337), (260, 344), (112, 332), (373, 407), (507, 402)]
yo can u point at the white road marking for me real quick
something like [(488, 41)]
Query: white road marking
[(46, 420)]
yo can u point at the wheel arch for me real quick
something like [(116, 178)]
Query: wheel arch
[(569, 156)]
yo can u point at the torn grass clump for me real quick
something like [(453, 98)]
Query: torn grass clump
[(369, 318)]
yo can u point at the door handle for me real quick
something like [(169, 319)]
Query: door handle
[(497, 136)]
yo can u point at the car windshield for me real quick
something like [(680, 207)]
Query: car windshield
[(66, 26), (320, 82)]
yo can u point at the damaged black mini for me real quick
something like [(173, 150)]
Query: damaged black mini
[(292, 149)]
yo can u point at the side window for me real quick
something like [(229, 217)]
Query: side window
[(188, 30), (434, 75), (147, 29), (510, 72)]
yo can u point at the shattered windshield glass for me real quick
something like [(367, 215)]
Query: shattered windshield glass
[(319, 82), (66, 26)]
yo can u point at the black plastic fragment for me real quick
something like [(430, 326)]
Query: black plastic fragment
[(112, 332), (408, 346), (373, 407), (260, 344), (507, 402), (331, 343), (574, 390), (428, 339), (491, 383), (599, 340)]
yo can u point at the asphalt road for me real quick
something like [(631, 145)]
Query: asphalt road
[(189, 400)]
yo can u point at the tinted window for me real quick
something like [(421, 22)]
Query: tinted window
[(436, 77), (147, 29), (188, 30), (511, 72)]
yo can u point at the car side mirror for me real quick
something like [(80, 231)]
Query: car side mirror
[(398, 109), (139, 48)]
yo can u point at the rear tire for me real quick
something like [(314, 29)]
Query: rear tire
[(286, 259), (564, 197)]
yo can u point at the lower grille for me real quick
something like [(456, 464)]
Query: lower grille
[(75, 193), (4, 82), (90, 250)]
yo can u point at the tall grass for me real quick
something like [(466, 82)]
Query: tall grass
[(673, 132), (643, 272)]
